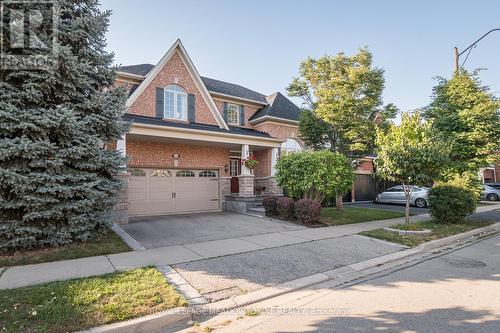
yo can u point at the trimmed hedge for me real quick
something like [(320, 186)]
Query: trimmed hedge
[(451, 204), (285, 208), (270, 205), (307, 211)]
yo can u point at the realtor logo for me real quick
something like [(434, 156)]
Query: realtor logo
[(28, 32)]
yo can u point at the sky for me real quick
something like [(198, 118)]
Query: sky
[(260, 44)]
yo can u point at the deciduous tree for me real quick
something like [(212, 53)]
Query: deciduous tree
[(411, 154)]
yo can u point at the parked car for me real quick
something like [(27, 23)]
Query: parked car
[(496, 186), (490, 193), (396, 195)]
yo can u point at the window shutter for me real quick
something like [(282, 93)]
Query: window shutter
[(242, 115), (160, 108), (191, 108), (225, 112)]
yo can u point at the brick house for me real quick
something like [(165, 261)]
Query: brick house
[(190, 136)]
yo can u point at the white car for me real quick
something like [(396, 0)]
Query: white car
[(396, 195)]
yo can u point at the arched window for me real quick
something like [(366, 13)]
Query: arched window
[(291, 146), (175, 102), (207, 174)]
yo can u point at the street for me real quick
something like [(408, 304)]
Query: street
[(455, 292)]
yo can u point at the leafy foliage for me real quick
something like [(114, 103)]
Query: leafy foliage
[(307, 211), (57, 183), (467, 116), (451, 204), (285, 208), (410, 154), (345, 94), (269, 204), (314, 175)]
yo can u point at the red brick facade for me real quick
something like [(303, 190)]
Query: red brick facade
[(159, 154), (174, 72)]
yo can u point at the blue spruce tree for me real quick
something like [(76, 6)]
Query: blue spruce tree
[(58, 184)]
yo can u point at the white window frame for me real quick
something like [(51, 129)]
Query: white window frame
[(174, 88), (229, 105), (286, 149)]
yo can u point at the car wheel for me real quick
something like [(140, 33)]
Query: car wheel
[(492, 197), (420, 203)]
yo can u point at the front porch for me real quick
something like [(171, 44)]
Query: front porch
[(175, 153)]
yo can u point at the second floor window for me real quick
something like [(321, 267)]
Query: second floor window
[(233, 114), (175, 102)]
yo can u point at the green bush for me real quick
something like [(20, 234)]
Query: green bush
[(307, 211), (269, 204), (451, 204), (285, 208)]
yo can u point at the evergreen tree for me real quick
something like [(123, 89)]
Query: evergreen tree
[(57, 182)]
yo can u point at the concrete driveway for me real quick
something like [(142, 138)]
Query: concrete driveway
[(158, 231), (227, 276)]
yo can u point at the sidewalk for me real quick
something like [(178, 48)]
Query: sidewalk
[(20, 276)]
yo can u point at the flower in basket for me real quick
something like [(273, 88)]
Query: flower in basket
[(251, 162)]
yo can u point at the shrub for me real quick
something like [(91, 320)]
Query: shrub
[(284, 206), (307, 211), (269, 204), (451, 204)]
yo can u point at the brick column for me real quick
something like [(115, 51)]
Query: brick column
[(120, 213), (246, 186)]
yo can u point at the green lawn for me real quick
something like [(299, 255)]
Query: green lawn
[(107, 244), (83, 303), (332, 216), (438, 231)]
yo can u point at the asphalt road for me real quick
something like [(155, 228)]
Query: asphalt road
[(456, 292)]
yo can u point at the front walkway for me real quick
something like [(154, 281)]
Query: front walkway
[(20, 276)]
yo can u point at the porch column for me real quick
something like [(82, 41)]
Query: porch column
[(121, 146), (274, 159), (246, 179), (245, 154), (120, 213)]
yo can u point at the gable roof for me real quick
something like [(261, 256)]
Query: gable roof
[(232, 89), (279, 107), (178, 47)]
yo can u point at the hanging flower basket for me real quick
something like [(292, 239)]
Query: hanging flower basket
[(251, 162)]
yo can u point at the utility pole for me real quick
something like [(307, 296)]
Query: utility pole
[(469, 48)]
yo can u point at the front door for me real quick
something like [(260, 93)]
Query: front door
[(234, 171)]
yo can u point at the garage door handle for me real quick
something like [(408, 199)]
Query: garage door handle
[(214, 200)]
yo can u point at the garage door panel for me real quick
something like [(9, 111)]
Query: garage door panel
[(150, 193)]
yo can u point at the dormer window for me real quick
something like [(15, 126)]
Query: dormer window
[(175, 102), (233, 114)]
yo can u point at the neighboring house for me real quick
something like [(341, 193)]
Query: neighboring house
[(490, 174), (190, 136)]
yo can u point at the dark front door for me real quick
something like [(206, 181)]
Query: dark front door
[(234, 171)]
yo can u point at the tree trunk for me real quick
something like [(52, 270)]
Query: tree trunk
[(407, 192), (339, 204)]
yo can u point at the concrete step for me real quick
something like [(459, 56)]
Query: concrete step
[(257, 210)]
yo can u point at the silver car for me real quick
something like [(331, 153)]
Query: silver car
[(396, 195), (490, 193)]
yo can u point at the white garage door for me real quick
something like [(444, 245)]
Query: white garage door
[(164, 191)]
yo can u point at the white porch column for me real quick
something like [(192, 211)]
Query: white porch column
[(274, 159), (245, 154), (121, 146), (121, 208)]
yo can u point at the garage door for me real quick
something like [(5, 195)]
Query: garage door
[(167, 191)]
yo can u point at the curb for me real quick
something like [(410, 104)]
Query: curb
[(459, 237), (152, 323), (342, 273)]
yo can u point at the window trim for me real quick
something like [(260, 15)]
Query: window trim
[(238, 121), (284, 147), (184, 94)]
